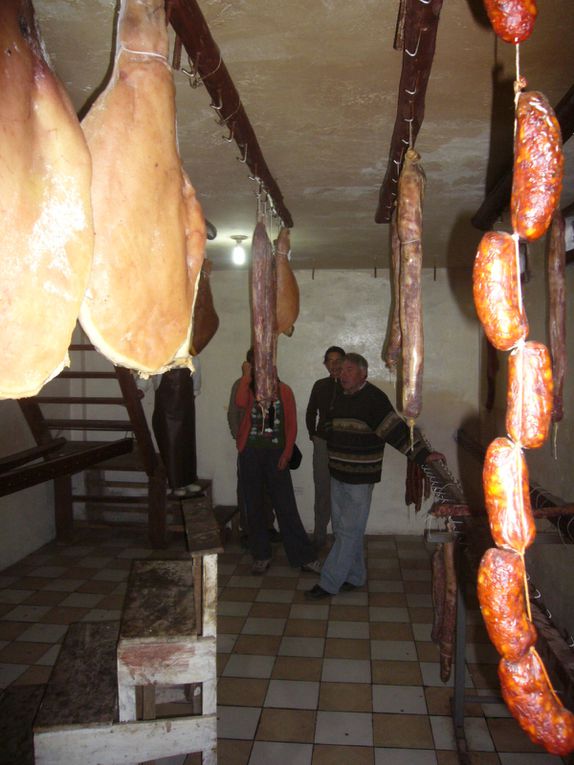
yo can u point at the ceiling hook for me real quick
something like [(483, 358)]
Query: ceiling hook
[(425, 2), (243, 159), (217, 107), (229, 137), (416, 50)]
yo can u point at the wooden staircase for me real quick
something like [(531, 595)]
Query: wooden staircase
[(133, 455)]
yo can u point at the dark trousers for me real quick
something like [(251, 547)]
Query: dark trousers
[(259, 471), (267, 505), (173, 423)]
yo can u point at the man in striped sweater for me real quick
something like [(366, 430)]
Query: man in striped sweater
[(361, 421)]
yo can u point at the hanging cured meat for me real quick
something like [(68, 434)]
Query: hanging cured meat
[(264, 316), (205, 318), (512, 20), (393, 349), (150, 230), (409, 227), (287, 287), (556, 269), (46, 229)]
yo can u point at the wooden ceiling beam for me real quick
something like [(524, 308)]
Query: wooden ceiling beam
[(498, 199), (417, 25), (191, 27)]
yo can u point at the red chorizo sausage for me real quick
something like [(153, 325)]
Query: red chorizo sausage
[(529, 397), (529, 696), (501, 597), (512, 20), (495, 289), (507, 497), (538, 166)]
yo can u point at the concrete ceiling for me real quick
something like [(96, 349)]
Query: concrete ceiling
[(319, 80)]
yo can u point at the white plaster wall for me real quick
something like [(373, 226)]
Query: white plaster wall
[(348, 309), (26, 517)]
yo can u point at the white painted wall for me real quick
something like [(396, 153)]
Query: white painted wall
[(337, 308), (26, 517), (348, 309)]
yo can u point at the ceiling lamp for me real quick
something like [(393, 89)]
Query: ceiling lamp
[(238, 255)]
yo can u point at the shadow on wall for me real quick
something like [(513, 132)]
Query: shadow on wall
[(463, 238)]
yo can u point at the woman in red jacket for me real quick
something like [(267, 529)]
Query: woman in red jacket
[(265, 448)]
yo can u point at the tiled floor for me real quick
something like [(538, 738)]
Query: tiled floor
[(353, 681)]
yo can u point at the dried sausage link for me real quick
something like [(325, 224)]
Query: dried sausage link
[(529, 696), (529, 396), (501, 597), (512, 20), (495, 290), (507, 496), (538, 166)]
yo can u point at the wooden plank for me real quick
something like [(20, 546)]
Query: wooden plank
[(83, 684), (159, 602), (201, 529), (77, 458), (129, 742), (420, 30), (191, 27), (27, 455), (62, 424)]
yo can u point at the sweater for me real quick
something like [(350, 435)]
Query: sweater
[(360, 425), (245, 399)]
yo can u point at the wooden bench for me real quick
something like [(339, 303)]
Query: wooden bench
[(77, 721)]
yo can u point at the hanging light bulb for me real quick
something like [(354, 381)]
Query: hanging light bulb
[(238, 255)]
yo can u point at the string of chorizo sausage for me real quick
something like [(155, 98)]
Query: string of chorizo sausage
[(537, 181)]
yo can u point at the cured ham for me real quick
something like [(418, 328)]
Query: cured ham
[(393, 349), (46, 239), (150, 230), (287, 287), (205, 318), (264, 317)]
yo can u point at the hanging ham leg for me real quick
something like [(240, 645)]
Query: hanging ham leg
[(287, 287), (150, 231), (556, 268), (393, 349), (205, 318), (46, 229), (263, 307)]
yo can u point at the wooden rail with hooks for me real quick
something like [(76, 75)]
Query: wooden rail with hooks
[(191, 27), (417, 27)]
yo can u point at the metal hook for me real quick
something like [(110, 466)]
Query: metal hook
[(425, 2), (243, 159), (229, 138), (416, 50), (214, 106)]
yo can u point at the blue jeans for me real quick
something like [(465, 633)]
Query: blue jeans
[(350, 505), (258, 469)]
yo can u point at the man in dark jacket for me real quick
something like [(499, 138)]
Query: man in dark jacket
[(362, 420), (320, 401)]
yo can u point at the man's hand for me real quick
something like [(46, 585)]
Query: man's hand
[(283, 461)]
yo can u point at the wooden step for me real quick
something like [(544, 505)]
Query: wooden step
[(103, 400), (83, 685), (109, 499), (87, 375), (123, 425)]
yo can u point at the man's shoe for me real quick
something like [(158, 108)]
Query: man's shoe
[(317, 593), (260, 566), (274, 535), (348, 587), (313, 567)]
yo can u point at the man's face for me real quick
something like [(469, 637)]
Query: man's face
[(352, 377), (333, 364)]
